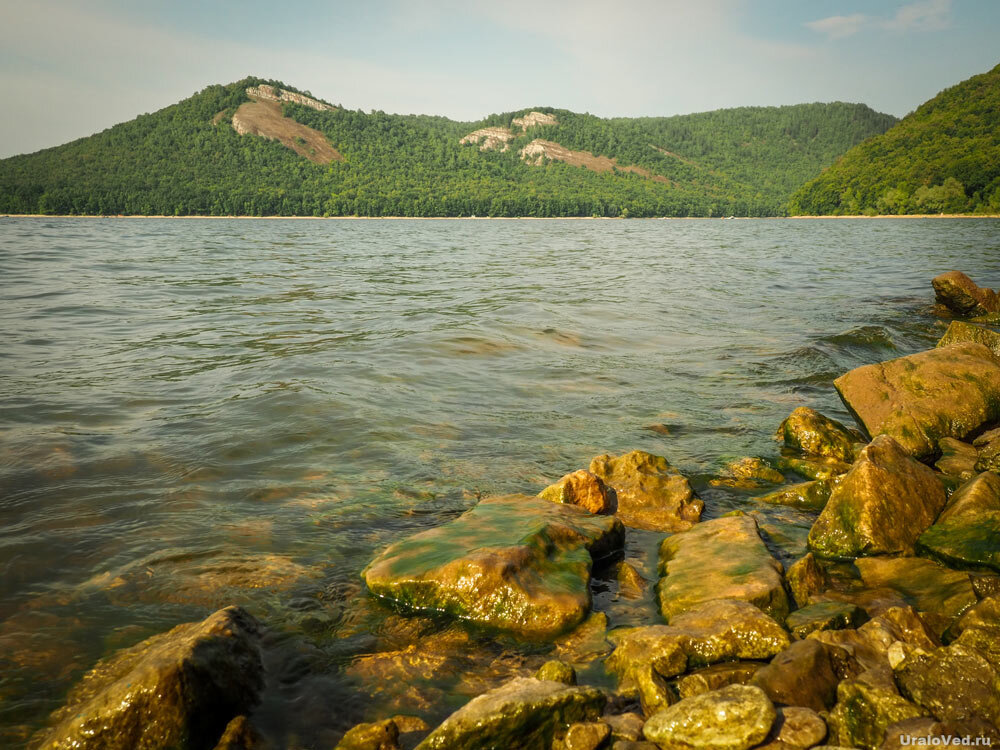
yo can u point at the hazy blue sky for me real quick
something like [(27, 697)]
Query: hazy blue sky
[(69, 68)]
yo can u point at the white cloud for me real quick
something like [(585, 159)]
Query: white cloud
[(925, 15)]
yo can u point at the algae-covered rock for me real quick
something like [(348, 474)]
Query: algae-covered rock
[(979, 495), (864, 711), (959, 331), (580, 488), (968, 541), (716, 676), (514, 563), (810, 495), (795, 727), (869, 644), (955, 682), (963, 296), (929, 732), (178, 689), (940, 593), (830, 615), (748, 473), (807, 431), (524, 713), (804, 674), (651, 493), (987, 448), (720, 559), (718, 631), (557, 671), (631, 584), (919, 399), (881, 505), (806, 578), (979, 628), (816, 467), (958, 459), (586, 735), (377, 735), (736, 717)]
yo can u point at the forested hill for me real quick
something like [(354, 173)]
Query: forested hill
[(942, 158), (300, 156)]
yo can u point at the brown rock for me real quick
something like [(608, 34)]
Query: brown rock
[(807, 431), (733, 718), (960, 331), (806, 578), (958, 459), (869, 644), (795, 727), (881, 505), (987, 448), (240, 734), (631, 585), (962, 296), (557, 671), (864, 711), (580, 488), (717, 676), (651, 494), (928, 732), (724, 558), (828, 615), (588, 735), (379, 735), (955, 682), (919, 399), (804, 674), (625, 726), (979, 495)]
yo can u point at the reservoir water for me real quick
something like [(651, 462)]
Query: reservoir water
[(196, 413)]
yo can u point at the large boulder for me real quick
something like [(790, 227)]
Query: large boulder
[(524, 713), (807, 431), (869, 646), (881, 505), (959, 331), (962, 296), (651, 493), (178, 689), (513, 563), (804, 674), (724, 558), (967, 533), (939, 594), (866, 707), (954, 682), (736, 717), (580, 488), (948, 392)]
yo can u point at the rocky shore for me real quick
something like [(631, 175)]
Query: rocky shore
[(885, 633)]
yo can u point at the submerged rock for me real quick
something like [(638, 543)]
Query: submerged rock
[(378, 735), (830, 615), (810, 495), (724, 558), (962, 296), (807, 431), (959, 331), (513, 563), (631, 584), (814, 468), (919, 399), (651, 494), (557, 671), (940, 594), (175, 690), (524, 713), (749, 472), (958, 459), (804, 674), (881, 505), (733, 718), (580, 488)]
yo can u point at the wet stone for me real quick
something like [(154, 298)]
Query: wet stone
[(581, 488), (626, 726), (717, 676), (813, 468), (919, 399), (864, 711), (650, 493), (587, 735), (963, 296), (807, 431), (720, 559), (795, 727), (807, 579), (514, 563), (736, 717), (958, 459), (631, 585), (955, 682), (379, 735), (809, 495), (830, 615), (881, 505), (557, 671), (749, 472), (987, 448), (959, 331), (805, 674)]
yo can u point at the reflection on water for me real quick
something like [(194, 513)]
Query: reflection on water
[(198, 413)]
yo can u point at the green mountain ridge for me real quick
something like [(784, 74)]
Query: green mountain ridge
[(188, 159), (944, 157)]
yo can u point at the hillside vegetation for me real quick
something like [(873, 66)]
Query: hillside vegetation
[(188, 159), (942, 158)]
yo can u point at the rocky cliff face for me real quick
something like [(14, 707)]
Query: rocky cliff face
[(271, 94)]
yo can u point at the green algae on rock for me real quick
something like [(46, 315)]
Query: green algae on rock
[(811, 495), (971, 542), (749, 472), (177, 689), (580, 488), (959, 331), (963, 296), (651, 494), (980, 494), (523, 713), (919, 399), (557, 671), (807, 431), (724, 558), (514, 563), (814, 467), (987, 448), (881, 505), (736, 717), (830, 615), (865, 709), (953, 683), (376, 735)]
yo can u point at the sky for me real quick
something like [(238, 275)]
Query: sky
[(70, 68)]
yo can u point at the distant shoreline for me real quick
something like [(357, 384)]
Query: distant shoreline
[(495, 218)]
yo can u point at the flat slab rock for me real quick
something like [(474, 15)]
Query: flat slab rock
[(523, 713), (514, 563), (950, 391), (177, 689), (959, 331), (651, 494), (724, 558), (736, 717), (880, 506)]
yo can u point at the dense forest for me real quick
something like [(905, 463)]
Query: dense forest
[(187, 159), (942, 158)]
